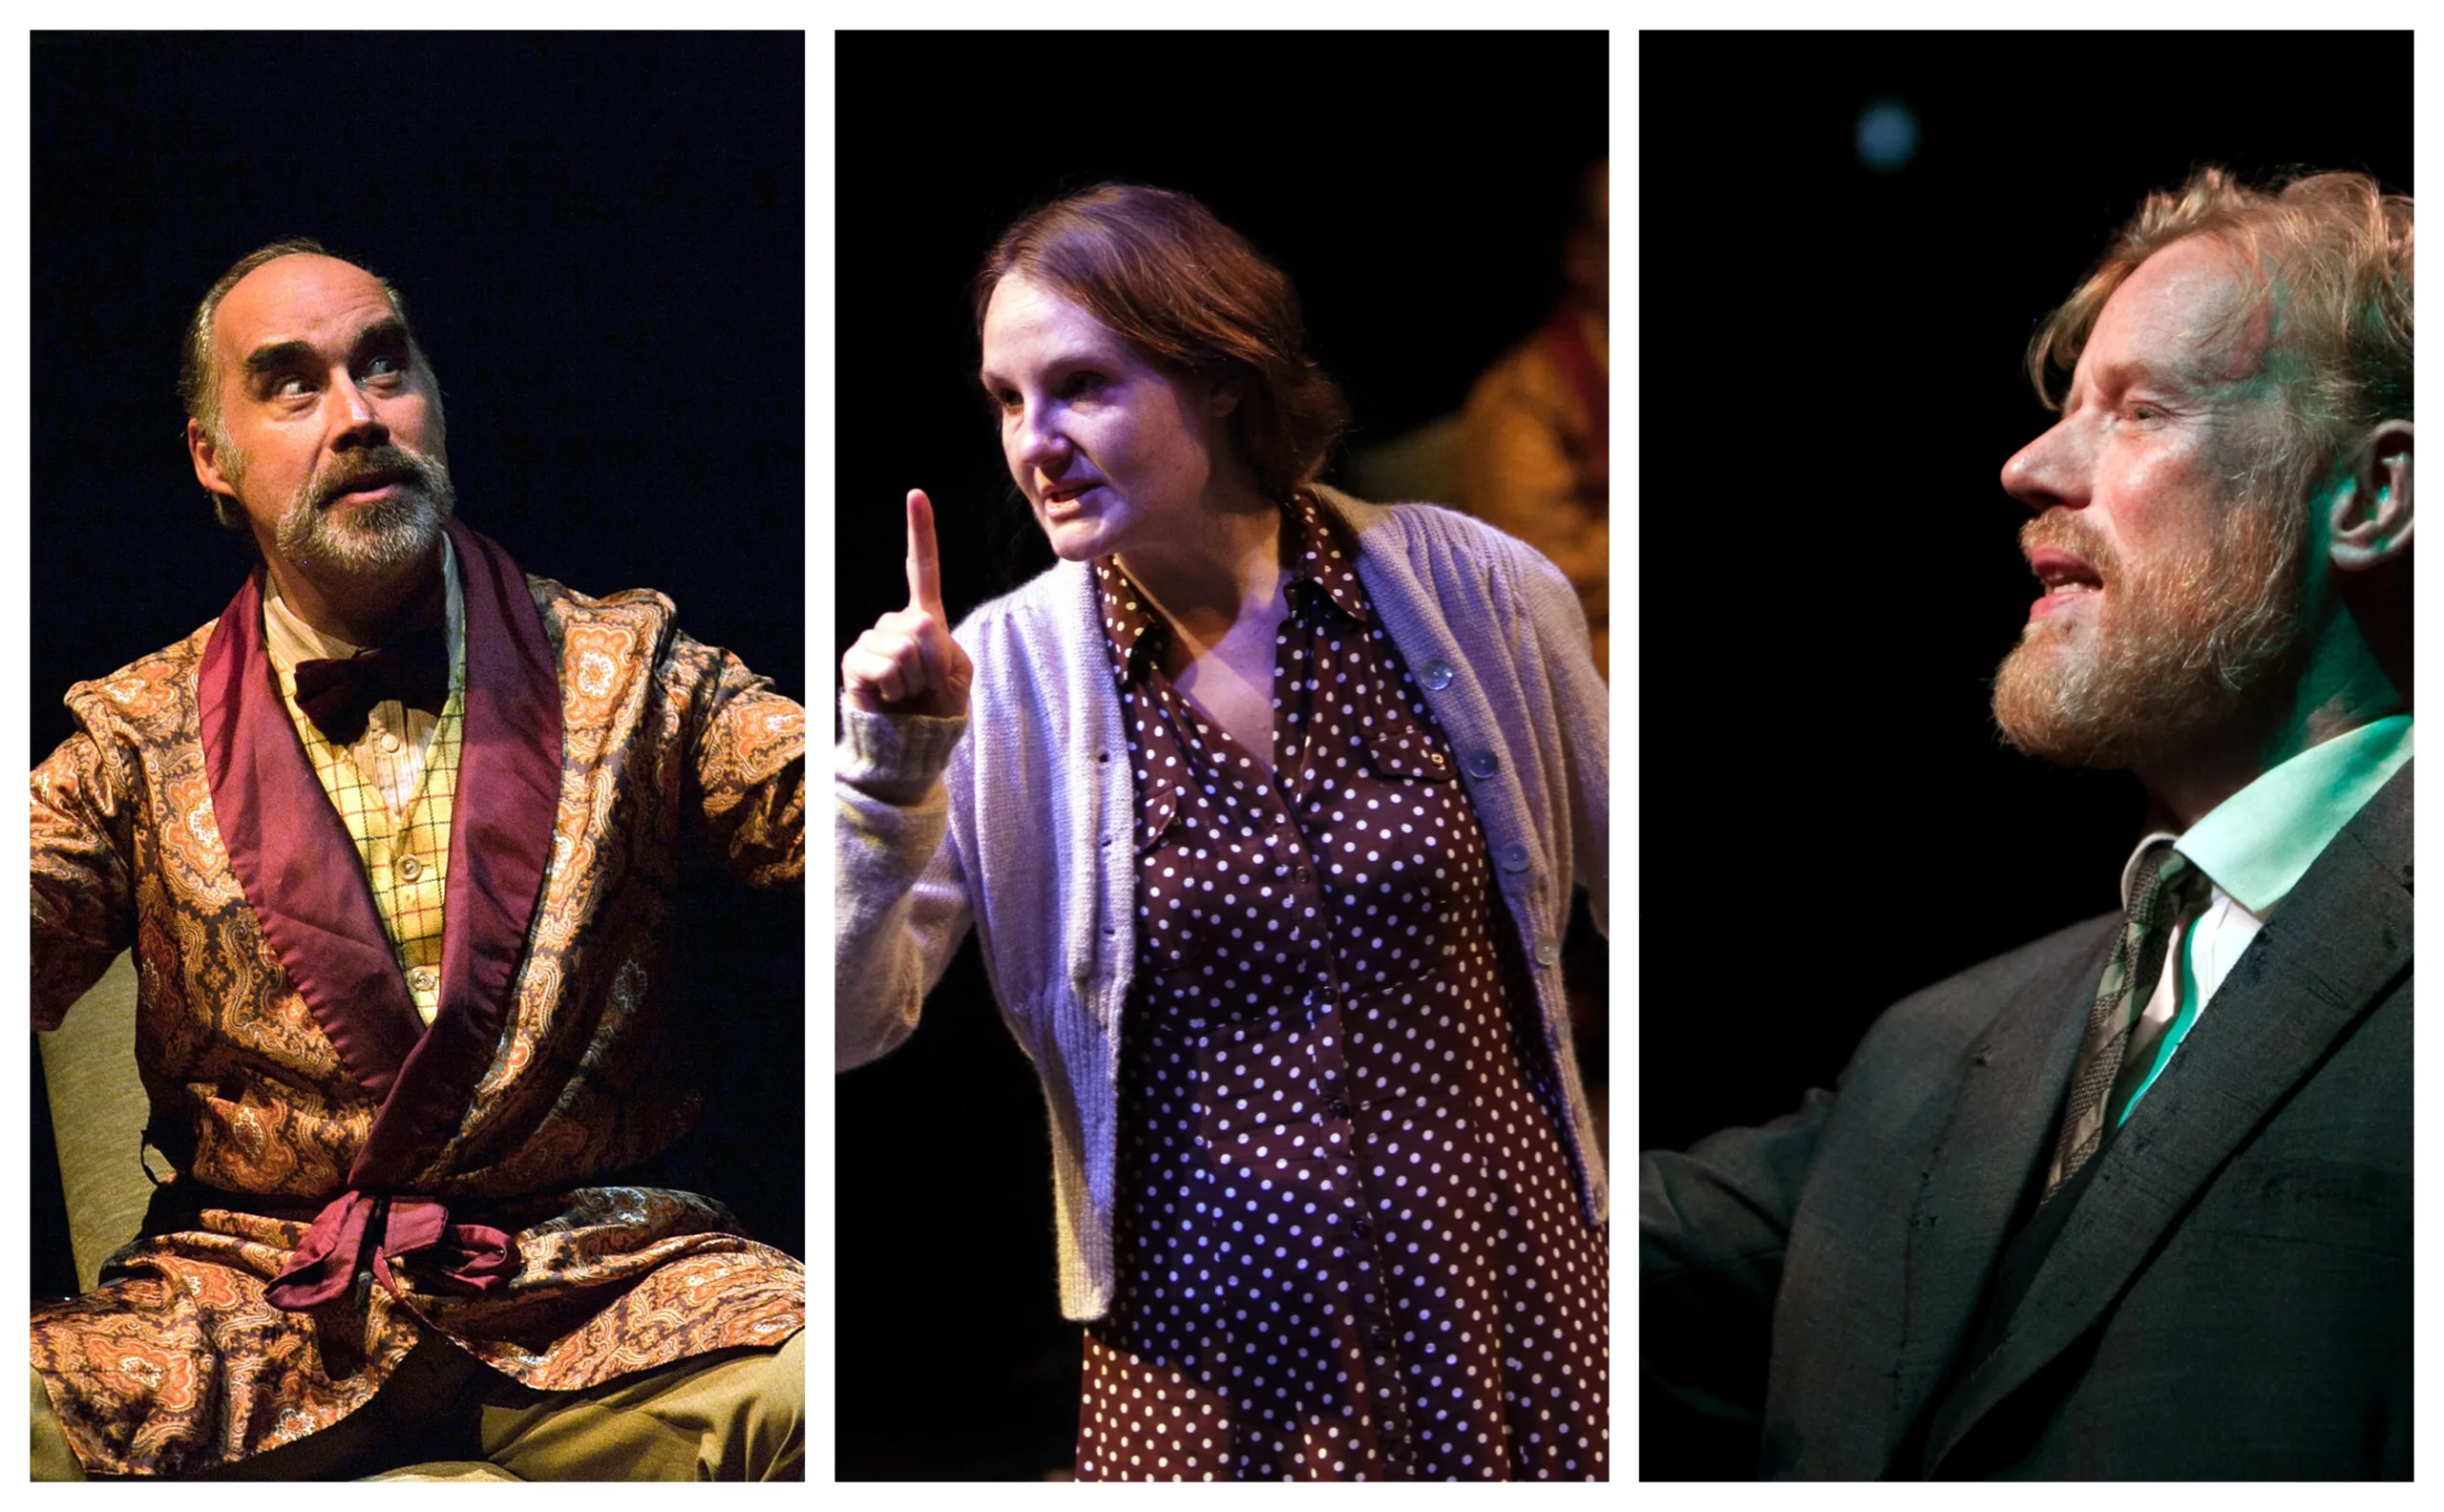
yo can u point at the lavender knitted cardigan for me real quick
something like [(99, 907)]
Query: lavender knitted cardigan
[(1039, 801)]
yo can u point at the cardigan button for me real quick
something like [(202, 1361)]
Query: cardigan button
[(1483, 764), (1514, 858), (1547, 951), (1436, 675)]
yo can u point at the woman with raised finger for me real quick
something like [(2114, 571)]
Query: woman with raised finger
[(1266, 805)]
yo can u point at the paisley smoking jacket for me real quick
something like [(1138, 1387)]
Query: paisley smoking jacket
[(347, 1179)]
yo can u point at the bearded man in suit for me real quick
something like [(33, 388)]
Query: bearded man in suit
[(2134, 1199), (395, 842)]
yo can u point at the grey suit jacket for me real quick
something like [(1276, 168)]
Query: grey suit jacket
[(2229, 1298)]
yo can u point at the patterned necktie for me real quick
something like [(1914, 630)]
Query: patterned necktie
[(2159, 892)]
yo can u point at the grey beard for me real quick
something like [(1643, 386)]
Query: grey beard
[(376, 540)]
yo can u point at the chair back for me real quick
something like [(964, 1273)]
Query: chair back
[(98, 1113)]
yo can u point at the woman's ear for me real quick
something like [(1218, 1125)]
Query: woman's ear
[(2371, 517)]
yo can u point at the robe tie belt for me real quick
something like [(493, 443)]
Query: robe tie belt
[(325, 1266)]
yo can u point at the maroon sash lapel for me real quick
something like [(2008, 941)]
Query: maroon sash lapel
[(292, 856), (298, 868), (501, 836)]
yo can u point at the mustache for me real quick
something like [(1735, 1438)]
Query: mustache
[(382, 464), (2063, 531)]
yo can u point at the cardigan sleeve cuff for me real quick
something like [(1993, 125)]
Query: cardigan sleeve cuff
[(894, 757)]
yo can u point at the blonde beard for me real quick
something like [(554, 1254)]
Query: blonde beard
[(2174, 650)]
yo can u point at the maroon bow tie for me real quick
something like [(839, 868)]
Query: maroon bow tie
[(338, 693)]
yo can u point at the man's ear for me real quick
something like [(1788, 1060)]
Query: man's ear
[(211, 471), (2369, 516)]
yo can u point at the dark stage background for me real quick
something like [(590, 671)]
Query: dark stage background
[(1830, 365), (1415, 189), (602, 243)]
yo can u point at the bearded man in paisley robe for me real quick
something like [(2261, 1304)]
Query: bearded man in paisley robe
[(395, 842)]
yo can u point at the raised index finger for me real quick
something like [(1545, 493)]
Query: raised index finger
[(924, 558)]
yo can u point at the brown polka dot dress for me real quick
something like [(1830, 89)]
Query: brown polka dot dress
[(1348, 1239)]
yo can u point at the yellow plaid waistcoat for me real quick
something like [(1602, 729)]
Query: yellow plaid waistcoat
[(404, 851), (407, 853)]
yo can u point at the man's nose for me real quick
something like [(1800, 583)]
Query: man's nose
[(2045, 474), (354, 419)]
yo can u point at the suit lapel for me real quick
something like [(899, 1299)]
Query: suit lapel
[(2326, 955), (2002, 1120)]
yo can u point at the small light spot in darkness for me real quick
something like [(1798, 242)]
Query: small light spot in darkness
[(1887, 134)]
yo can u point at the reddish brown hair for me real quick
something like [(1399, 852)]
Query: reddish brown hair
[(2330, 257), (1157, 269)]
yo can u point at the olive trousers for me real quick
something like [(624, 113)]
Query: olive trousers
[(738, 1415)]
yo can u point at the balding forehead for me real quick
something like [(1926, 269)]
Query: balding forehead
[(293, 291), (295, 266)]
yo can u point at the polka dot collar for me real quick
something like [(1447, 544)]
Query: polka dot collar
[(1323, 573)]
